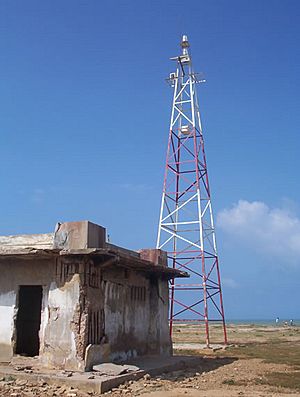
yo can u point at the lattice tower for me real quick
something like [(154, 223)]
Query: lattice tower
[(186, 225)]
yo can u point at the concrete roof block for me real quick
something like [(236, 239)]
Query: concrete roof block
[(79, 235), (156, 256)]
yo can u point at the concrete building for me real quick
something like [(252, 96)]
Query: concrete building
[(74, 300)]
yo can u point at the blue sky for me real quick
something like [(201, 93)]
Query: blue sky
[(84, 123)]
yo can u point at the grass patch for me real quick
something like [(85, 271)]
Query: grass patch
[(289, 380), (187, 352), (274, 351), (277, 352), (230, 382)]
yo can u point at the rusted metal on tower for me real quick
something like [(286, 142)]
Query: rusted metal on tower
[(186, 225)]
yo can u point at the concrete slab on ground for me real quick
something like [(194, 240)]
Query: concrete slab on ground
[(99, 382)]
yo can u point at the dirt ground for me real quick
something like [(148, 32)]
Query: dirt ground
[(260, 361)]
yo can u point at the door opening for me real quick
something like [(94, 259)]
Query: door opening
[(29, 320)]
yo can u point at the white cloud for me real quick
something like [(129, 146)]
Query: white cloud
[(135, 187), (273, 231), (38, 195), (229, 282)]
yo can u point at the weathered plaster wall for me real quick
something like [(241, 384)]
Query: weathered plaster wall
[(165, 343), (59, 347), (127, 313), (88, 314), (40, 241), (92, 299), (59, 305), (15, 273), (136, 314), (7, 304)]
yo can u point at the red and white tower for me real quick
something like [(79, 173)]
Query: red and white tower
[(186, 226)]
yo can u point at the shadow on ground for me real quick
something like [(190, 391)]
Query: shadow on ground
[(182, 367)]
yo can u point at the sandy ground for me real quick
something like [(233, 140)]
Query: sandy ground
[(244, 374), (216, 377), (229, 373)]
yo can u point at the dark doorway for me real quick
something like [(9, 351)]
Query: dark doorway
[(29, 320)]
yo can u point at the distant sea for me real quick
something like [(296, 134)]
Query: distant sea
[(296, 322)]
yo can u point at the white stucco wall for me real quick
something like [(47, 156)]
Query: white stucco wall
[(59, 348), (57, 339), (13, 274), (7, 309)]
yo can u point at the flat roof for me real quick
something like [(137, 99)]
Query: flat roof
[(113, 255)]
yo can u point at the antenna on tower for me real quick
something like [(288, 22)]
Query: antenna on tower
[(186, 225)]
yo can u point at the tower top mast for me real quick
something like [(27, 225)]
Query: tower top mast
[(184, 58)]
